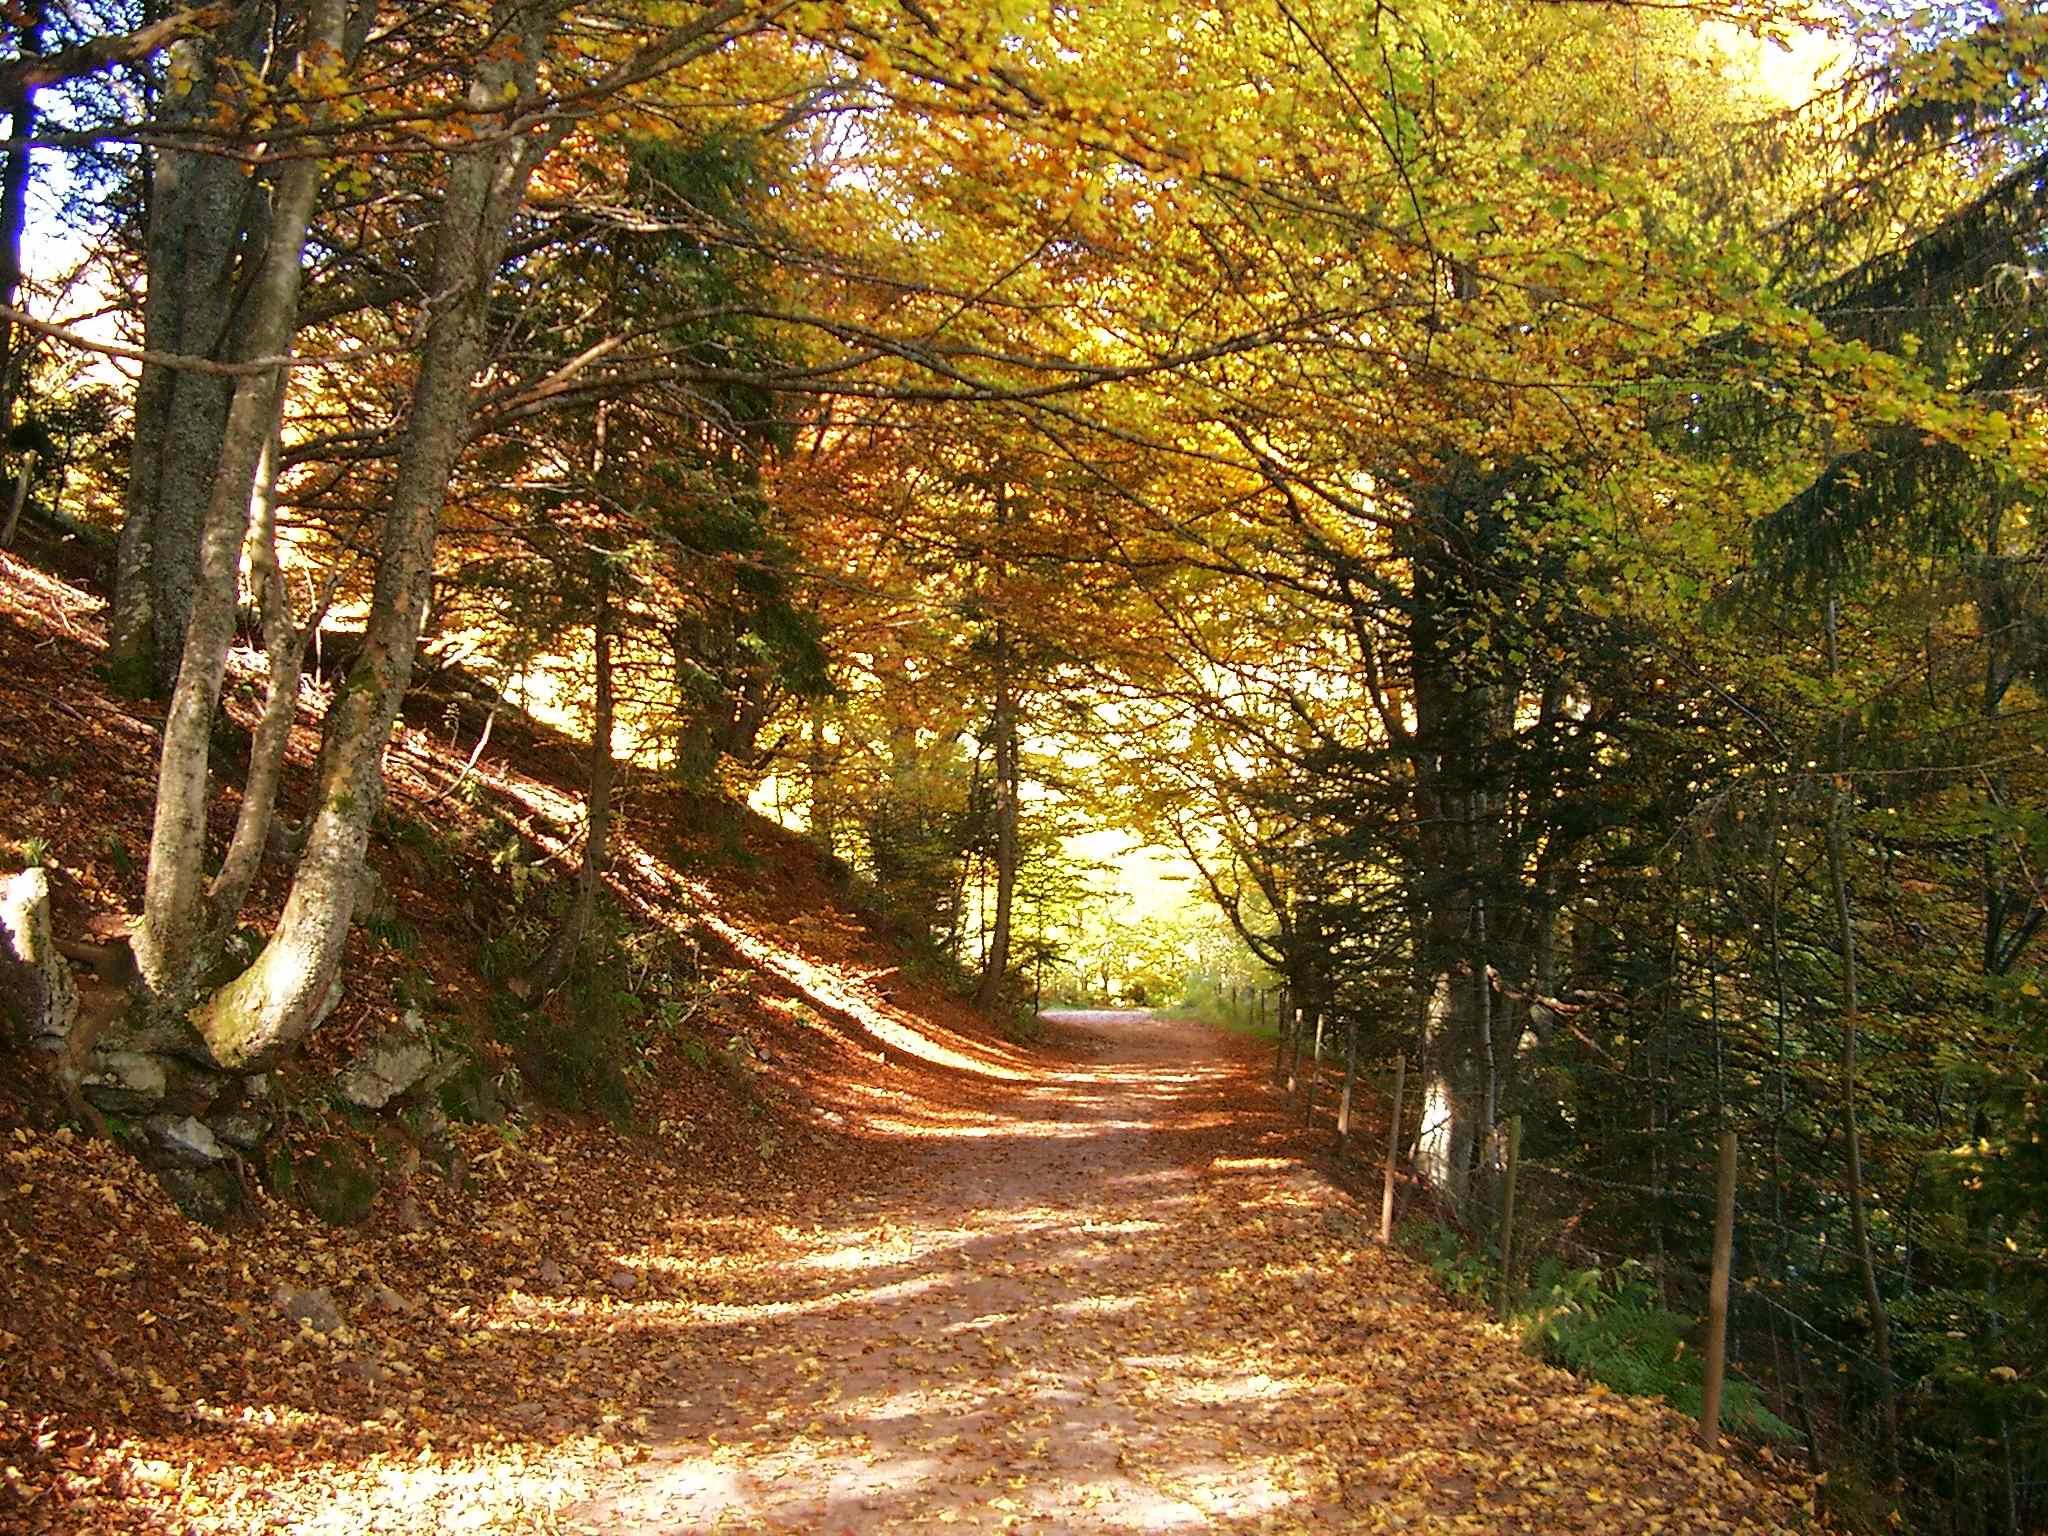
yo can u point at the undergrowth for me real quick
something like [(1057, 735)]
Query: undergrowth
[(1605, 1325), (1205, 1000), (593, 1047)]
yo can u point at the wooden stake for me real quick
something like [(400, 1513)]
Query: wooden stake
[(1280, 1034), (1315, 1073), (1507, 1213), (1717, 1294), (1350, 1077), (1393, 1149)]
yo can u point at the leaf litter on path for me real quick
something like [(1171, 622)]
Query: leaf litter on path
[(1100, 1293), (1120, 1303)]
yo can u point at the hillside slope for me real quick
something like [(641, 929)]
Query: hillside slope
[(150, 1376)]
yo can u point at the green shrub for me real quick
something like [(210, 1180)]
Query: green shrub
[(625, 991), (1468, 1275), (393, 933), (1614, 1332), (1607, 1327)]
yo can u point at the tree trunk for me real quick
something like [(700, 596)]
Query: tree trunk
[(293, 983), (167, 940), (20, 107), (1350, 1083), (996, 962), (19, 499), (560, 954), (1859, 1219), (824, 825), (284, 645), (198, 210)]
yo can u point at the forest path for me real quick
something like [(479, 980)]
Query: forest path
[(1120, 1302)]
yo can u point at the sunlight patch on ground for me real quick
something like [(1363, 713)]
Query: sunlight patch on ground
[(1006, 1130), (1097, 1306), (743, 1313)]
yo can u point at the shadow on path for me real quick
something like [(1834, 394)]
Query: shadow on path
[(1119, 1302)]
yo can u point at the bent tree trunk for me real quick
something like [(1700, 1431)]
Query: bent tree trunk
[(294, 981), (560, 954), (168, 941)]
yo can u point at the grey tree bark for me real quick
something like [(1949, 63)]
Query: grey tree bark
[(201, 220), (20, 106), (294, 981), (167, 941), (284, 646)]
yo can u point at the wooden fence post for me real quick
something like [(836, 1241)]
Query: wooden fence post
[(1315, 1071), (1717, 1294), (1507, 1213), (1350, 1078), (1299, 1016), (1393, 1149), (1280, 1037)]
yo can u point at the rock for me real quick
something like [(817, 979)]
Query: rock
[(157, 1037), (548, 1275), (390, 1301), (473, 1095), (212, 1196), (185, 1139), (389, 1068), (152, 1065), (408, 1216), (315, 1308), (373, 898), (37, 985), (242, 1129), (427, 1122), (397, 1154), (126, 1082), (336, 1181), (622, 1281)]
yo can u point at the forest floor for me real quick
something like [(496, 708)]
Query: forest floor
[(870, 1268)]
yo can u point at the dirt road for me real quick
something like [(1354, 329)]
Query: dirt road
[(1119, 1302)]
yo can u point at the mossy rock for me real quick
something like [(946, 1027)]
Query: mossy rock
[(130, 677), (211, 1196), (277, 1170), (475, 1096), (398, 1155), (336, 1181)]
